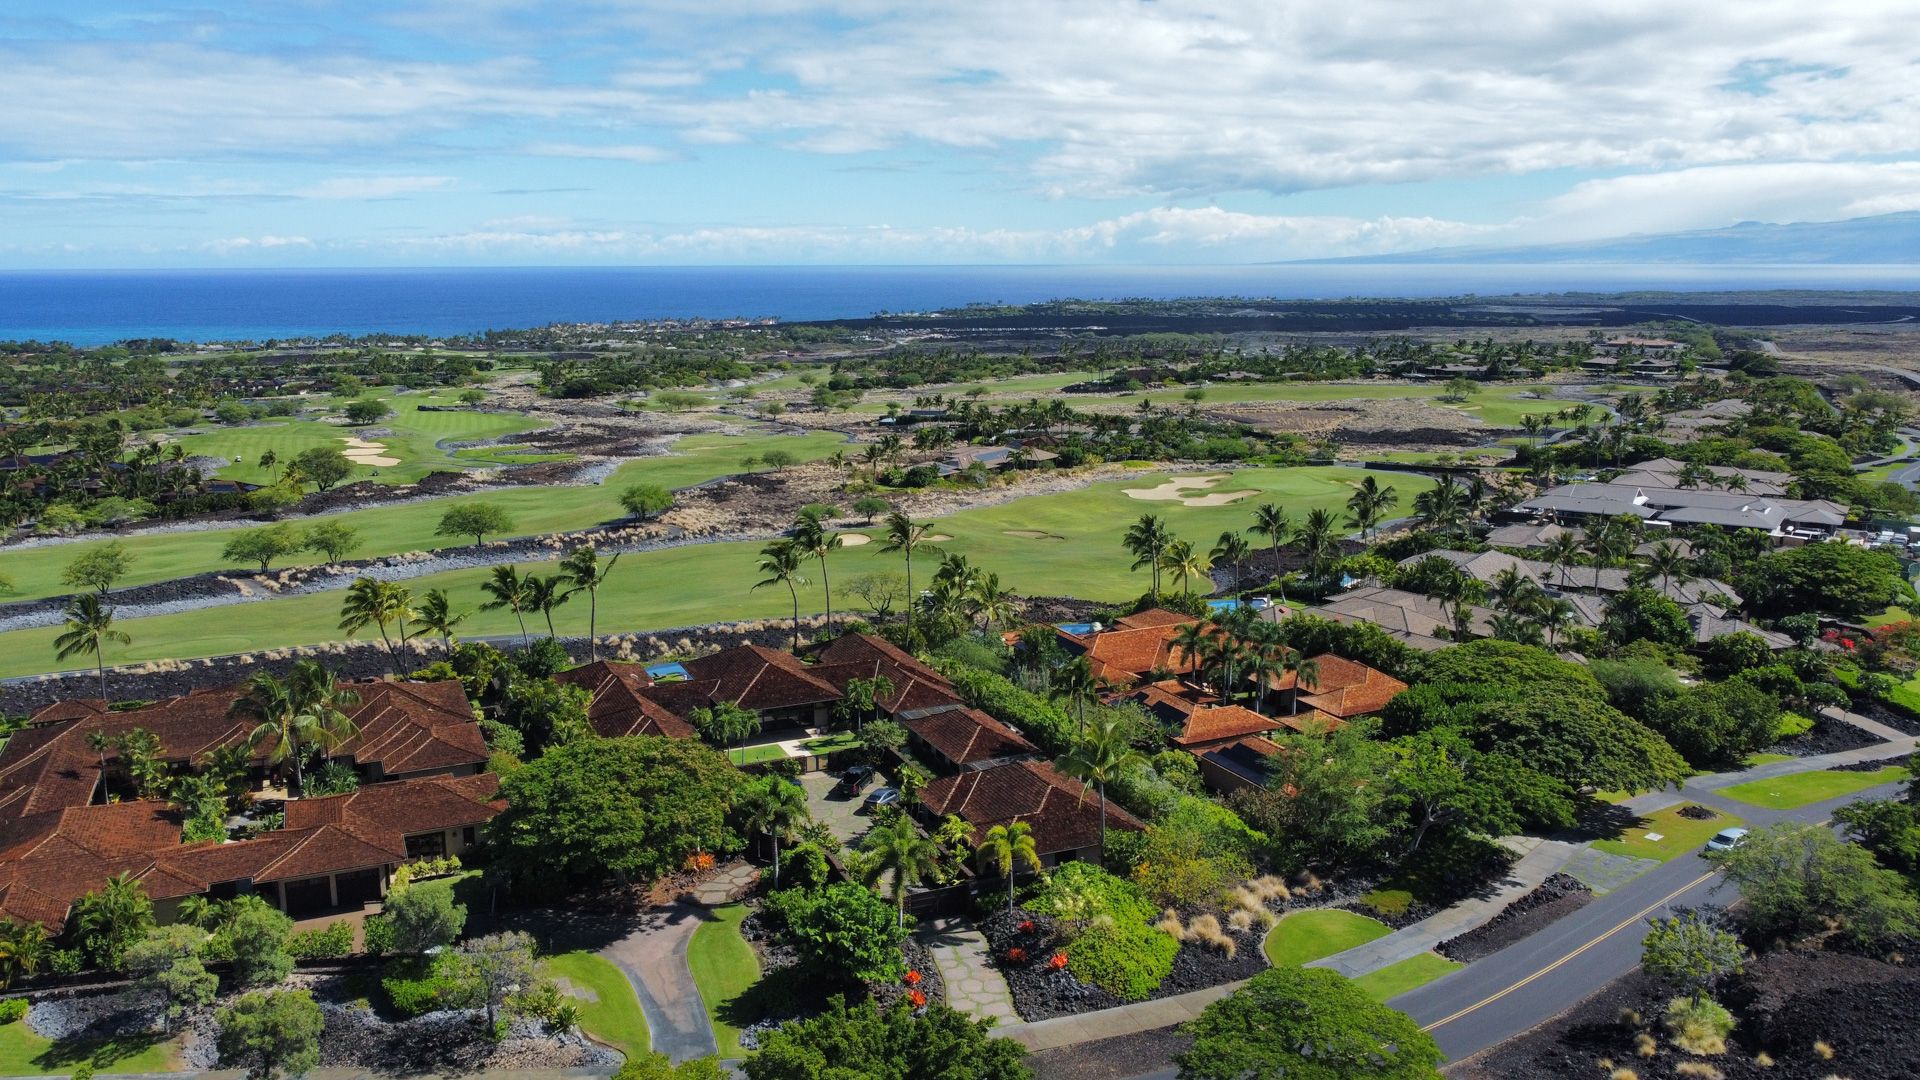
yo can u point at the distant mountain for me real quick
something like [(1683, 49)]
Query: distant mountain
[(1887, 238)]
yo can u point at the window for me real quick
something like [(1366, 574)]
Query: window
[(469, 836), (427, 845)]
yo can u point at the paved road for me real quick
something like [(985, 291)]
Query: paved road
[(1547, 973)]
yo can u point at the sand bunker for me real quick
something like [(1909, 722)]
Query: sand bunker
[(854, 539), (1176, 488), (361, 452), (938, 538), (1034, 534)]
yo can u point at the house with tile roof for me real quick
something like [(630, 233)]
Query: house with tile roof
[(623, 701), (1409, 617), (1063, 813), (1133, 647), (1343, 689), (961, 738), (1241, 763)]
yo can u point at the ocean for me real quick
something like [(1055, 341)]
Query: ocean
[(98, 307)]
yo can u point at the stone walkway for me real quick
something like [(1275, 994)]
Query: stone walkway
[(1542, 860), (974, 985), (727, 884), (654, 959)]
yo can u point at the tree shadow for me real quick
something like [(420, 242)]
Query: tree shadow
[(63, 1055), (788, 991), (1604, 821)]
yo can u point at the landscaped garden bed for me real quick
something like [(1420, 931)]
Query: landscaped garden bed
[(1558, 896), (1827, 736)]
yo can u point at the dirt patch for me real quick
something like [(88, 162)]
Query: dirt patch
[(938, 538), (1558, 896), (1697, 813)]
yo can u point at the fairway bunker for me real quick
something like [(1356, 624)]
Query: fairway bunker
[(1176, 490), (361, 452), (1034, 534), (938, 538), (855, 539)]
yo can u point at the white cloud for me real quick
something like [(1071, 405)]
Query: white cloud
[(640, 154), (371, 187), (1716, 196), (234, 245)]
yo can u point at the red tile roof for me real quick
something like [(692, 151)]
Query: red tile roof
[(864, 656), (1063, 813), (1136, 645), (965, 736), (1344, 688), (625, 701), (1212, 724), (758, 678)]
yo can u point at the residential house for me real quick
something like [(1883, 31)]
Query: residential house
[(960, 738), (1063, 813), (1134, 646), (1419, 621), (1342, 689)]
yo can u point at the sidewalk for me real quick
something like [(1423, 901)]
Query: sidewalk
[(1536, 866), (1121, 1020)]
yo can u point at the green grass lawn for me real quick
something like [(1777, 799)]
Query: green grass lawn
[(23, 1053), (747, 755), (1802, 789), (390, 529), (1389, 901), (1079, 555), (414, 438), (1413, 972), (839, 740), (614, 1017), (1678, 835), (1309, 935), (1766, 759), (725, 968)]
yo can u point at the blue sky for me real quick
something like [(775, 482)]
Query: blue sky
[(497, 132)]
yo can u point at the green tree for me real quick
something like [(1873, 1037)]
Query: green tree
[(255, 933), (368, 410), (899, 854), (272, 1032), (780, 561), (1641, 614), (631, 809), (1801, 879), (1006, 848), (1270, 521), (1833, 578), (1580, 742), (475, 519), (1325, 800), (892, 1044), (88, 630), (423, 917), (1101, 753), (906, 536), (499, 964), (1147, 540), (1305, 1024), (436, 616), (112, 918), (98, 568), (1716, 723), (509, 590), (812, 539), (546, 593), (334, 539), (305, 710), (322, 466), (583, 570), (773, 807), (1439, 779), (1690, 955), (167, 962), (871, 506), (1185, 562), (547, 713), (377, 603), (24, 949), (725, 724), (845, 934), (645, 501), (262, 545)]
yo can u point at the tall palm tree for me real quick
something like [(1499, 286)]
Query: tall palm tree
[(1267, 656), (1185, 562), (1670, 564), (775, 807), (1306, 672), (899, 852), (991, 603), (298, 713), (546, 593), (1555, 617), (1233, 549), (1007, 847), (1442, 506), (89, 628), (1074, 681), (1369, 503), (1609, 541), (582, 570), (508, 590), (1147, 539), (1098, 757), (1194, 642), (1271, 522), (377, 603), (1562, 551), (814, 541), (780, 561), (1319, 541), (436, 616), (905, 536)]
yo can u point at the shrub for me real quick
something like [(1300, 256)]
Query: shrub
[(12, 1010), (68, 962), (1045, 724), (1112, 946), (844, 932), (415, 986), (379, 935), (424, 918), (1699, 1027), (1791, 725), (334, 939)]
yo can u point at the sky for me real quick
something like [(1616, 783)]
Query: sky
[(155, 133)]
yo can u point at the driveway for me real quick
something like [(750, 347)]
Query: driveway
[(838, 812)]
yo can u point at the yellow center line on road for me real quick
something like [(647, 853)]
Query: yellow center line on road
[(1623, 924)]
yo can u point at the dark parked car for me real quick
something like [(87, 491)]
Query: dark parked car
[(855, 780)]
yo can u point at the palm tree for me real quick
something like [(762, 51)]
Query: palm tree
[(1098, 757), (780, 561), (991, 604), (1555, 617), (811, 538), (1369, 502), (509, 590), (1006, 847), (1194, 641), (1267, 656), (23, 948), (1271, 522), (546, 593), (436, 616), (1074, 681), (1563, 551), (1185, 562), (1609, 541), (1147, 539), (899, 851), (1670, 564), (88, 630), (302, 711), (1534, 424), (377, 603), (582, 569), (1233, 549), (100, 742), (1306, 672), (1319, 541), (905, 535), (1442, 506), (114, 915), (773, 806)]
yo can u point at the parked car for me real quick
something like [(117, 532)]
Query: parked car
[(855, 780), (882, 796), (1726, 839)]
